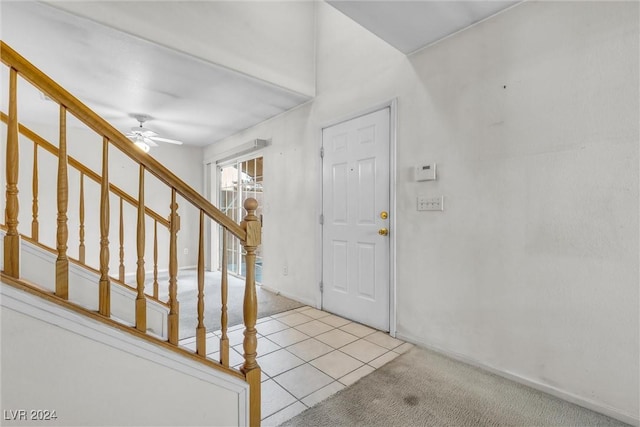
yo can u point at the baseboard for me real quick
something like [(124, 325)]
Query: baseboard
[(290, 296), (561, 394)]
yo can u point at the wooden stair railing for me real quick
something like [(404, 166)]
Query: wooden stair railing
[(248, 231), (84, 171)]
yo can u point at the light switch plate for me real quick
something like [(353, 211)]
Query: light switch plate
[(431, 203)]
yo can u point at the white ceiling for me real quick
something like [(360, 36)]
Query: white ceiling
[(411, 25), (118, 74)]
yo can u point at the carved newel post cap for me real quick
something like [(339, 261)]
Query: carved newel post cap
[(250, 204)]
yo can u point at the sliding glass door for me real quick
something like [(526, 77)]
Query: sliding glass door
[(239, 180)]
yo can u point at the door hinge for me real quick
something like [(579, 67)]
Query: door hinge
[(321, 151), (321, 286), (321, 219)]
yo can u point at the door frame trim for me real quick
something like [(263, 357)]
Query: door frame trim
[(393, 119)]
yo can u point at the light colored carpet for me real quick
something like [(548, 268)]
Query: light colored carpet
[(424, 388), (268, 302)]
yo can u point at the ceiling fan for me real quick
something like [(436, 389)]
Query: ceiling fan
[(145, 138)]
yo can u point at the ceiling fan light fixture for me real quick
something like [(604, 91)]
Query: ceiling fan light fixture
[(143, 146)]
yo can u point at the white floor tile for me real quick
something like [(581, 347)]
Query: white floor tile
[(235, 358), (234, 328), (278, 362), (266, 346), (354, 376), (334, 320), (295, 319), (403, 348), (287, 337), (309, 349), (336, 338), (313, 328), (283, 415), (185, 341), (364, 351), (357, 329), (384, 359), (274, 398), (336, 364), (322, 394), (300, 309), (213, 344), (270, 327), (235, 337), (263, 319), (315, 313), (383, 340), (303, 380), (191, 345), (284, 313)]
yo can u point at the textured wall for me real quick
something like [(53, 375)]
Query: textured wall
[(91, 374), (532, 269)]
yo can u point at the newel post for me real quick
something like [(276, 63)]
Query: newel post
[(250, 368)]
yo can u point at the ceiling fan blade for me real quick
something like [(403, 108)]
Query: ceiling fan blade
[(139, 130), (149, 142), (170, 141)]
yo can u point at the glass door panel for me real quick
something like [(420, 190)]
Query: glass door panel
[(240, 180)]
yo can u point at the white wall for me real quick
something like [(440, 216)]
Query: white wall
[(86, 146), (91, 374), (269, 40), (533, 267)]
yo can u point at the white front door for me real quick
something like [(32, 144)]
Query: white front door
[(355, 194)]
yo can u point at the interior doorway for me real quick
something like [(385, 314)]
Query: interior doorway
[(237, 180)]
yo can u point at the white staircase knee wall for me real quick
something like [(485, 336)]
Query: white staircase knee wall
[(89, 373)]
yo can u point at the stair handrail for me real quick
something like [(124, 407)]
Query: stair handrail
[(99, 125), (248, 231), (121, 194)]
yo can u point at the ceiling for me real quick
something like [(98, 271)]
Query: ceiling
[(411, 25), (118, 74)]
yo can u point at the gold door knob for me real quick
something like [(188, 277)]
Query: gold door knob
[(384, 215), (383, 232)]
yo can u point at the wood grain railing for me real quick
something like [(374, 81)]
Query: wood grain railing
[(121, 195), (248, 231)]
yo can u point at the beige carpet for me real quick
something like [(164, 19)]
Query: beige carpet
[(424, 388)]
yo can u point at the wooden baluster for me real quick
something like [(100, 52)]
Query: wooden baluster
[(81, 249), (35, 235), (141, 300), (250, 368), (12, 238), (155, 259), (121, 267), (201, 331), (224, 339), (62, 235), (104, 305), (174, 226)]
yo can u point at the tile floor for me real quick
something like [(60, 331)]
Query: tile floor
[(306, 355)]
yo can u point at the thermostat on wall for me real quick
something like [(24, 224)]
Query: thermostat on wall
[(425, 172)]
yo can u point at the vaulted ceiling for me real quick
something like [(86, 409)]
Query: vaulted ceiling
[(202, 70)]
